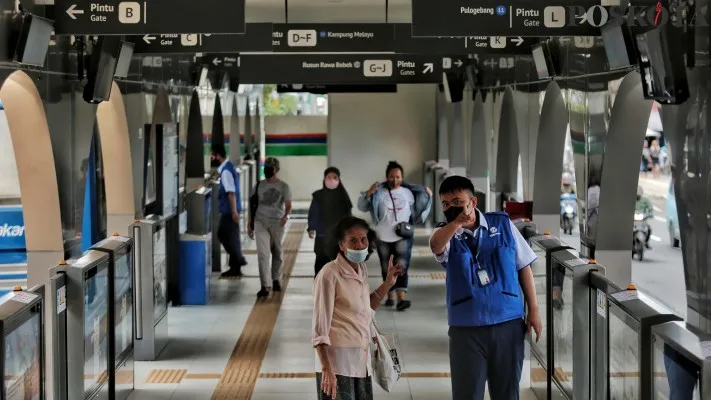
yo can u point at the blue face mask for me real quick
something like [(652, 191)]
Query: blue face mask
[(357, 256)]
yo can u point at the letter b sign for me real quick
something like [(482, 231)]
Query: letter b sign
[(129, 12)]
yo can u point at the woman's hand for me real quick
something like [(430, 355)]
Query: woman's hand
[(329, 385), (428, 191), (394, 270), (372, 189), (312, 233)]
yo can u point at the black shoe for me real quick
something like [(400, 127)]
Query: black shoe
[(243, 262), (262, 293), (403, 305), (231, 273), (276, 286), (389, 303)]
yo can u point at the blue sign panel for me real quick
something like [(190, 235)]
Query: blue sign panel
[(12, 228)]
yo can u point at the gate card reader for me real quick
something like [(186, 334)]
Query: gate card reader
[(198, 204), (122, 291)]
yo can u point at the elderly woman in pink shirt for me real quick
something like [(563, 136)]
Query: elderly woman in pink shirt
[(343, 310)]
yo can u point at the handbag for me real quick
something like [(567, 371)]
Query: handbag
[(253, 203), (402, 229), (384, 359)]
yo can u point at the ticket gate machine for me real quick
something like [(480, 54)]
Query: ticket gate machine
[(151, 310), (681, 363), (88, 301), (22, 330), (121, 311)]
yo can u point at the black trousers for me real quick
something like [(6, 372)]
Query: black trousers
[(228, 233), (322, 257)]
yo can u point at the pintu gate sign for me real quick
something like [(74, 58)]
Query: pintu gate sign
[(12, 228)]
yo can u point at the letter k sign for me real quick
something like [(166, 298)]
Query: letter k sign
[(497, 42)]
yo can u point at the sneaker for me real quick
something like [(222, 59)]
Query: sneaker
[(262, 293), (403, 305), (231, 273), (389, 303), (276, 286)]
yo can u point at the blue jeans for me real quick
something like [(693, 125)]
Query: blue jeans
[(402, 253)]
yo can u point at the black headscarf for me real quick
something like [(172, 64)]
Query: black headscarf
[(334, 204)]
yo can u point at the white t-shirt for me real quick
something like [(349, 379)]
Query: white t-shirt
[(403, 201)]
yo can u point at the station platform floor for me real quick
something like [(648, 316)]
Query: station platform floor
[(238, 348)]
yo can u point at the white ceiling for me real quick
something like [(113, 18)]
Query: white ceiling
[(334, 11)]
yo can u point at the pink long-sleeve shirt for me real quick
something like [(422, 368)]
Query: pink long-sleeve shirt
[(342, 318)]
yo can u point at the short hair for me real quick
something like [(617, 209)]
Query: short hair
[(219, 150), (394, 165), (271, 162), (456, 183)]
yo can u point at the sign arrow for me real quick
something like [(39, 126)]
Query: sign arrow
[(216, 61), (458, 63), (72, 12), (148, 38), (429, 68), (518, 41)]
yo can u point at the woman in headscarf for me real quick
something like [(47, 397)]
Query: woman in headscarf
[(328, 206)]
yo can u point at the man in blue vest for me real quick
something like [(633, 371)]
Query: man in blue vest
[(488, 279), (230, 207)]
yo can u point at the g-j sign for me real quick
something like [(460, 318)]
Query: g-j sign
[(12, 228)]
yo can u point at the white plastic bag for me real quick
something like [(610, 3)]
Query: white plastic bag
[(385, 360)]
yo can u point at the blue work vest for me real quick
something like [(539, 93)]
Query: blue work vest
[(223, 200), (468, 302)]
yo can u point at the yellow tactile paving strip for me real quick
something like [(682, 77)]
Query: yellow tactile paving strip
[(166, 376), (238, 380), (178, 375)]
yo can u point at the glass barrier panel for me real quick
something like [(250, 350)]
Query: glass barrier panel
[(675, 377), (96, 340), (22, 361), (124, 304), (539, 278), (623, 344), (160, 284), (563, 327)]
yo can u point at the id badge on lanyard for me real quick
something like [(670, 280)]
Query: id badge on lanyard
[(481, 274)]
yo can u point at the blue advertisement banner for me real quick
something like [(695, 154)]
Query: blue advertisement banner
[(12, 228)]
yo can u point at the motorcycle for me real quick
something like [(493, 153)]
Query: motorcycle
[(639, 234), (567, 213)]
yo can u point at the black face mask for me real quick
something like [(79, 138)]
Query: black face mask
[(214, 162), (269, 172), (452, 213)]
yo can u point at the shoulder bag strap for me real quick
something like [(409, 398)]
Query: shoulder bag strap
[(393, 200)]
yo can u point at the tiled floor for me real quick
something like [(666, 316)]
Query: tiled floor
[(203, 338)]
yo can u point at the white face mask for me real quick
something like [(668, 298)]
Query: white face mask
[(356, 256), (331, 183)]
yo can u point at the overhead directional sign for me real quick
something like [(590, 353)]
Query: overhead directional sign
[(507, 18), (341, 38), (406, 43), (326, 89), (116, 17), (221, 61), (345, 68), (257, 38)]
